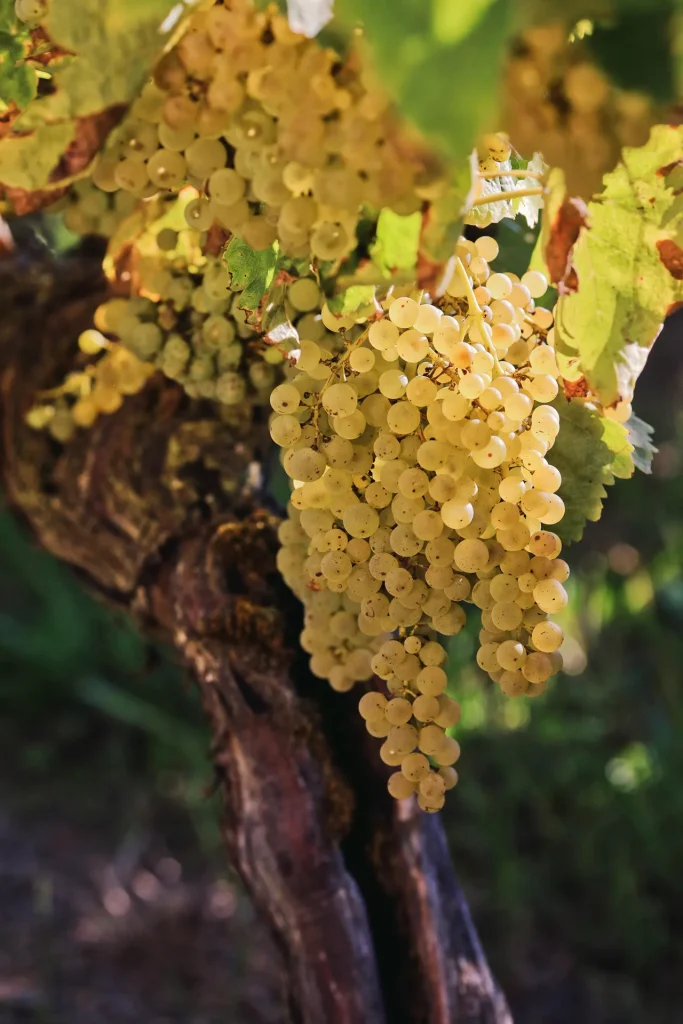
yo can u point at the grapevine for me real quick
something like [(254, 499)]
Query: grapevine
[(414, 387)]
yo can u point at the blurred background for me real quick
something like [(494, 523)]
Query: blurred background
[(566, 829)]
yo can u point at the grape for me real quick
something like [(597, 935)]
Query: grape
[(30, 10), (403, 312), (399, 786)]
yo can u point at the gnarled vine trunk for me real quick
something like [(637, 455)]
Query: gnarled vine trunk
[(358, 889)]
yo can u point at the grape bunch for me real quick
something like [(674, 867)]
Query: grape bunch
[(186, 320), (282, 138), (557, 100), (417, 457), (98, 388), (87, 210)]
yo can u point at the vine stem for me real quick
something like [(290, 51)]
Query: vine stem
[(515, 193), (474, 308)]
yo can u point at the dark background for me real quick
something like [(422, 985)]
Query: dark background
[(116, 902)]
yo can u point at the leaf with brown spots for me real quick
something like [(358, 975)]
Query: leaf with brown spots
[(671, 256), (564, 231), (576, 388), (91, 132), (630, 270)]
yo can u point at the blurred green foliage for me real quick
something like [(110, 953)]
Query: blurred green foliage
[(89, 711)]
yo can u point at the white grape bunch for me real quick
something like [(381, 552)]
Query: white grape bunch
[(420, 482), (184, 317), (281, 138), (109, 373)]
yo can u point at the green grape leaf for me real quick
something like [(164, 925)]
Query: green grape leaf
[(442, 224), (28, 160), (640, 436), (629, 262), (452, 22), (449, 89), (18, 80), (309, 16), (590, 451), (397, 241), (253, 271), (354, 298)]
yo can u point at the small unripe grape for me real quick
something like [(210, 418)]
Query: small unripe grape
[(513, 684), (449, 752), (537, 668), (536, 283), (403, 312), (377, 727), (383, 334), (402, 739), (450, 776), (560, 570), (415, 767), (400, 787), (471, 555), (432, 787), (511, 655), (372, 705), (547, 637), (399, 711), (390, 756), (550, 596), (426, 709), (431, 740), (431, 681), (449, 713), (428, 318)]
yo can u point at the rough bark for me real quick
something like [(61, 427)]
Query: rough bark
[(358, 889)]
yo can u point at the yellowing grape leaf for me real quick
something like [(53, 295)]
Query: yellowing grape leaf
[(590, 451), (629, 263), (105, 49), (356, 298), (32, 158), (396, 241)]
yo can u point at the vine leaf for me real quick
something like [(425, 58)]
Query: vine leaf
[(397, 241), (18, 80), (102, 52), (590, 452), (563, 218), (443, 71), (355, 298), (630, 270), (640, 436), (253, 271)]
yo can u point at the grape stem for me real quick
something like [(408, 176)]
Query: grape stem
[(541, 330), (511, 174), (515, 193), (474, 308), (336, 367)]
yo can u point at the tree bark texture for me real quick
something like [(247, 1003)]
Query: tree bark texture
[(149, 507)]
